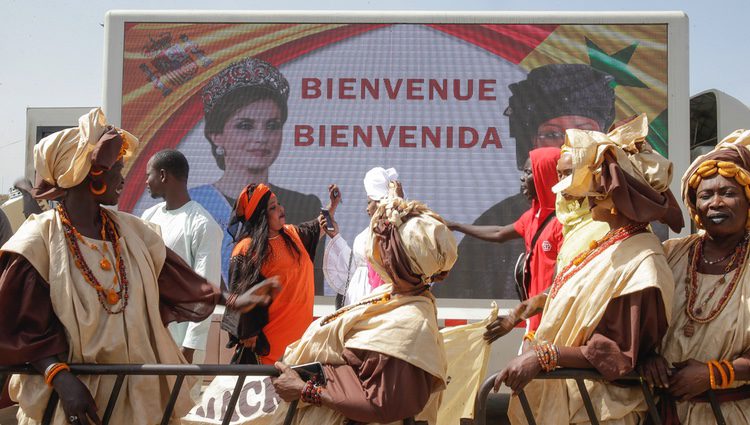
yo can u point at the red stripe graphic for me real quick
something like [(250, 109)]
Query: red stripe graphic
[(511, 42)]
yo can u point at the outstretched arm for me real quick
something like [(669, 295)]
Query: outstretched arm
[(497, 234)]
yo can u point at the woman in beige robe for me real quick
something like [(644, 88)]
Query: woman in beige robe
[(711, 319), (611, 305), (85, 284), (383, 357)]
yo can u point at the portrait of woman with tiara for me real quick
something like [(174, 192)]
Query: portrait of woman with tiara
[(245, 107)]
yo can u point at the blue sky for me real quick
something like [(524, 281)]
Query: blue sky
[(52, 51)]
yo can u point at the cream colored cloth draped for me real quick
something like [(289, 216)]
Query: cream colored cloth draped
[(404, 327), (94, 336), (570, 319), (629, 146), (724, 338)]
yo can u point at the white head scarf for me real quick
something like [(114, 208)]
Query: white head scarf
[(377, 180)]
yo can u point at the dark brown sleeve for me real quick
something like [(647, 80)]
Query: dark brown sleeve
[(374, 387), (184, 296), (29, 328), (309, 233), (632, 327)]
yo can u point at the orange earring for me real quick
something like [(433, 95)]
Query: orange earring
[(96, 172), (96, 191)]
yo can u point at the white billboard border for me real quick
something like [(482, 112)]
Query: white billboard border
[(678, 79)]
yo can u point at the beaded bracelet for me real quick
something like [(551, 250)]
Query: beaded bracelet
[(310, 393), (711, 377), (52, 371), (547, 355), (724, 379), (730, 367)]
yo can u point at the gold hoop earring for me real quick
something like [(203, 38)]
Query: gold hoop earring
[(97, 192)]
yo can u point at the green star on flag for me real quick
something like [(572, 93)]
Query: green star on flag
[(615, 65)]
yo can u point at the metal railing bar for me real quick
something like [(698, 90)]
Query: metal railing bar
[(526, 408), (716, 408), (649, 396), (291, 412), (480, 402), (156, 369), (113, 399), (233, 400), (49, 411), (172, 399), (579, 375), (587, 401)]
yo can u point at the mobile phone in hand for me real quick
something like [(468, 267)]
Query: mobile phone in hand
[(309, 371), (329, 221)]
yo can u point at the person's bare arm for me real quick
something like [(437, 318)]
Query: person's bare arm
[(497, 234)]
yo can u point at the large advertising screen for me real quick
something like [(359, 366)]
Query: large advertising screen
[(454, 108)]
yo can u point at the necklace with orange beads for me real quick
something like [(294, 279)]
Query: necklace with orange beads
[(595, 248), (108, 298), (693, 312)]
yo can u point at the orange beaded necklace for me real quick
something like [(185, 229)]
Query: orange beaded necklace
[(595, 248), (108, 298), (736, 260)]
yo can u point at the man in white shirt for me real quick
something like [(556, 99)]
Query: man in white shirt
[(346, 269), (190, 231)]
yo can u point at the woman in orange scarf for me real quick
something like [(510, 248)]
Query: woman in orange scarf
[(266, 246)]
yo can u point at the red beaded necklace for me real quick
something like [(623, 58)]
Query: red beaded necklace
[(596, 247), (691, 285), (108, 298)]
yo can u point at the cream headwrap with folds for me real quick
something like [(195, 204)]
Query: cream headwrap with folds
[(622, 164), (627, 143), (411, 242), (377, 181), (63, 159)]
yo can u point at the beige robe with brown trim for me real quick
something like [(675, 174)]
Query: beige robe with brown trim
[(94, 336), (724, 338), (404, 327), (569, 319)]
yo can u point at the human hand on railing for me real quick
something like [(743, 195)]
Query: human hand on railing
[(288, 384), (519, 372), (261, 294), (76, 400), (656, 371), (689, 379)]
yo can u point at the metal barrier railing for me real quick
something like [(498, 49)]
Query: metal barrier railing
[(580, 375), (180, 371)]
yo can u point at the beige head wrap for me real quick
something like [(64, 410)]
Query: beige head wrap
[(730, 158), (64, 159), (411, 242), (622, 164)]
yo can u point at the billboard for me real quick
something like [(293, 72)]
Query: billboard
[(455, 107)]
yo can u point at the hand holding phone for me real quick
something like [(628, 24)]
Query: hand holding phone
[(329, 220)]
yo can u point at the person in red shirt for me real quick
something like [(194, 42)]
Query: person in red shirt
[(539, 175)]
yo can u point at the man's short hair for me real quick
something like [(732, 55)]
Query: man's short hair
[(556, 90), (173, 162)]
